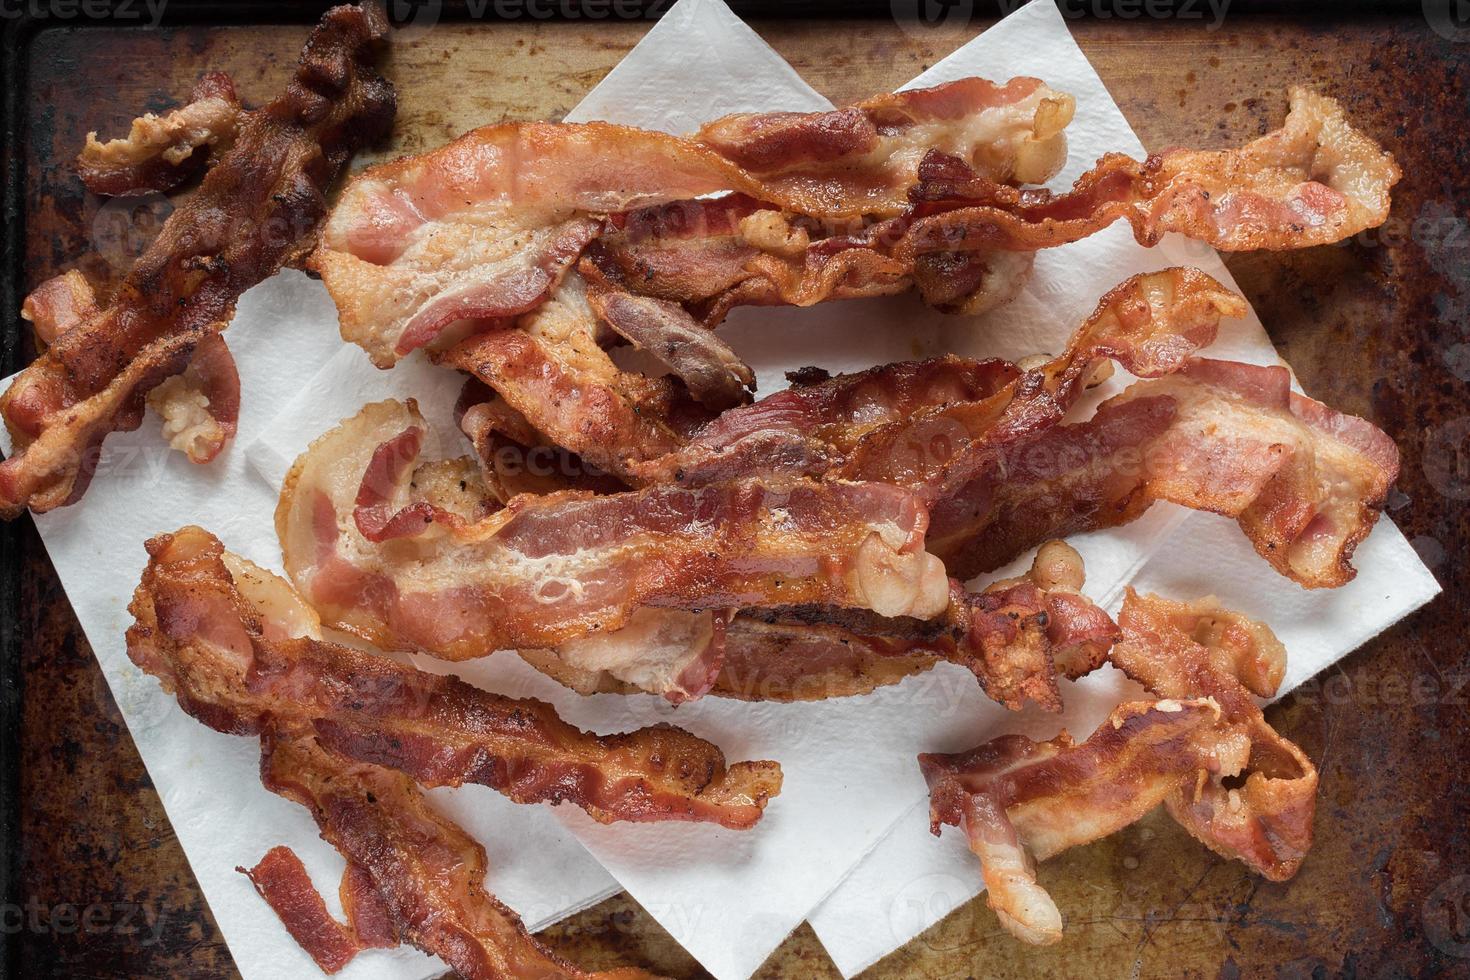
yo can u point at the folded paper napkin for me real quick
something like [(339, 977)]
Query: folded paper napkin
[(852, 786)]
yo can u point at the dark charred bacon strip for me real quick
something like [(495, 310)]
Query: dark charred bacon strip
[(241, 651), (1168, 647), (1021, 801), (161, 152), (1305, 483), (425, 873), (256, 210), (546, 570)]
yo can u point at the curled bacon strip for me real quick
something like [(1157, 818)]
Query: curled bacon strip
[(255, 211), (1020, 801), (161, 152), (1305, 483), (1199, 647), (241, 651), (486, 226), (412, 875), (966, 242), (406, 574), (1314, 181)]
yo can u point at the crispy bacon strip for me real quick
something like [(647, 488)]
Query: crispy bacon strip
[(421, 871), (256, 210), (281, 880), (161, 152), (1305, 483), (966, 243), (545, 570), (1314, 181), (1200, 647), (1020, 801), (1015, 636), (485, 227), (929, 425), (241, 651)]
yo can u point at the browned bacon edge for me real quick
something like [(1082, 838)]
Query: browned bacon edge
[(256, 210), (1020, 801), (1306, 484), (240, 651), (412, 875), (160, 153)]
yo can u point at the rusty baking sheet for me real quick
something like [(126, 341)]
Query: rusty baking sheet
[(1379, 326)]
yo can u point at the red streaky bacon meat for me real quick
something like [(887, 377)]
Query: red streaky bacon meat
[(241, 651), (406, 574), (256, 210), (1020, 801), (412, 875)]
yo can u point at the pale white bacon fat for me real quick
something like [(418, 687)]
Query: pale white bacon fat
[(1020, 801), (407, 573)]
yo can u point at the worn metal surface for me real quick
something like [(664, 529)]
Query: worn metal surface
[(1378, 327)]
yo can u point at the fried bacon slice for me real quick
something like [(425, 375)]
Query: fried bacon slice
[(927, 425), (161, 152), (1020, 801), (967, 240), (485, 227), (1314, 181), (554, 373), (1016, 636), (412, 875), (242, 652), (1213, 652), (1305, 483), (256, 210), (406, 573)]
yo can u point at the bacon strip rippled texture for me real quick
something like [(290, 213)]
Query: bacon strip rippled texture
[(985, 445), (256, 210), (241, 651), (412, 875), (378, 559), (1020, 801), (460, 240), (484, 227)]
